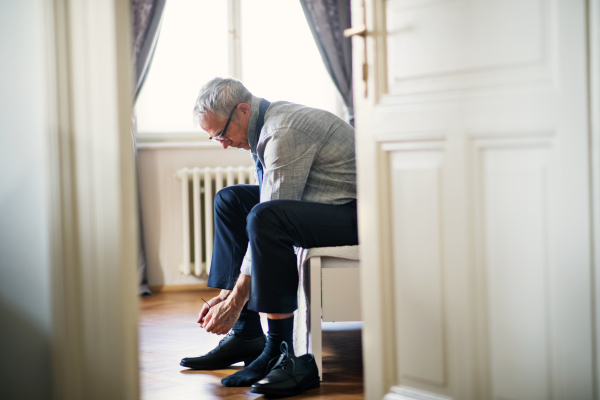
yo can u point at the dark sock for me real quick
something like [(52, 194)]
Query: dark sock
[(280, 330), (248, 325)]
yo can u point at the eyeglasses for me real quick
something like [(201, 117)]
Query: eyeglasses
[(221, 136)]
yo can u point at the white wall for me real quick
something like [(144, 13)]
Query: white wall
[(25, 361), (161, 204)]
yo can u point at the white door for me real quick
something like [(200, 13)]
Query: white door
[(474, 211)]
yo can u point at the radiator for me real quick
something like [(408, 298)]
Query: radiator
[(198, 221)]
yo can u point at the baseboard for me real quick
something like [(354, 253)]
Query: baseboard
[(406, 393), (179, 288)]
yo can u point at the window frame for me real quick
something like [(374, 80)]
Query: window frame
[(169, 139)]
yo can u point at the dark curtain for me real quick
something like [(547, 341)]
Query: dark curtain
[(327, 20), (147, 17)]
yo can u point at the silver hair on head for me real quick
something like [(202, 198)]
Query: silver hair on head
[(219, 96)]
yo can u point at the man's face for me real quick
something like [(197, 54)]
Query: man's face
[(236, 134)]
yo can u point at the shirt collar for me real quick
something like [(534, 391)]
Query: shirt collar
[(252, 134)]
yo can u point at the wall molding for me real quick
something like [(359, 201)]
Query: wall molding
[(180, 288), (405, 393)]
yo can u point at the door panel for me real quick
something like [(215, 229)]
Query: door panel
[(470, 36), (417, 240), (513, 191), (477, 44)]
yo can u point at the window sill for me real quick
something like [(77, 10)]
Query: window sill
[(206, 145), (174, 140)]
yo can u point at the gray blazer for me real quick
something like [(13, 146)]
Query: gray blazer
[(306, 153)]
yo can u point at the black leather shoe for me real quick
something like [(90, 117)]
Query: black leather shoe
[(230, 350), (289, 376)]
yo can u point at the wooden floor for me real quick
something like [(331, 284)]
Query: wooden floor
[(168, 332)]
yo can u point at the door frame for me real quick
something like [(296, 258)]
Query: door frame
[(378, 338), (594, 123), (94, 238)]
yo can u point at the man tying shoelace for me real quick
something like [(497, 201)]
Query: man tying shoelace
[(306, 197)]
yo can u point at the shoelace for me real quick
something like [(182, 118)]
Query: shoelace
[(226, 336), (284, 360)]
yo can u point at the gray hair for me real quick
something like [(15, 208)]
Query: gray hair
[(220, 96)]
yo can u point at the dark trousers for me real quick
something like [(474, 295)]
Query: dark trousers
[(273, 229)]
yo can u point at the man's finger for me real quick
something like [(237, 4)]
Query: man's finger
[(202, 313), (210, 325), (207, 319)]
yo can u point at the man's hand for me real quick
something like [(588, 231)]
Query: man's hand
[(225, 309), (221, 317), (211, 303)]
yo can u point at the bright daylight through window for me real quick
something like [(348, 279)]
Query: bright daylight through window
[(279, 61)]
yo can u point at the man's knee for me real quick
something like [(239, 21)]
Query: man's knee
[(263, 215), (225, 198), (225, 195)]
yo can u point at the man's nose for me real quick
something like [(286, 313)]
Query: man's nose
[(225, 144)]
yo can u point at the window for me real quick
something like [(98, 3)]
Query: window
[(271, 49)]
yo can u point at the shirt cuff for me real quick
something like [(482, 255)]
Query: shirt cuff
[(246, 268)]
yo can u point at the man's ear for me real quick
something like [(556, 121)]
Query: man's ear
[(244, 108)]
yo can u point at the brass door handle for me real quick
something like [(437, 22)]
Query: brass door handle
[(358, 31)]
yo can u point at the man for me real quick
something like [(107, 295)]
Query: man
[(306, 197)]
